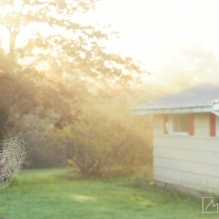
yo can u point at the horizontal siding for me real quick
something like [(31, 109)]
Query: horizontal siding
[(157, 130), (202, 131), (185, 179), (187, 143), (205, 157), (189, 167), (158, 120), (201, 119)]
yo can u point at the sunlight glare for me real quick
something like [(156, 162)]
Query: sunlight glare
[(151, 29)]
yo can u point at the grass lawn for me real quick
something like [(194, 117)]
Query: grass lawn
[(42, 194)]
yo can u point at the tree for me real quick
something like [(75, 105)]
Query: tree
[(58, 61), (22, 96), (99, 144), (55, 40)]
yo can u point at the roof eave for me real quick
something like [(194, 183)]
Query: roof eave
[(174, 110)]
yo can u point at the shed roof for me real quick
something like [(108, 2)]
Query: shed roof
[(200, 98)]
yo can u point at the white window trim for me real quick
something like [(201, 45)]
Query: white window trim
[(172, 132)]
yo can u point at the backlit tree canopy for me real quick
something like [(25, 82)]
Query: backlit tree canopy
[(49, 35), (50, 60)]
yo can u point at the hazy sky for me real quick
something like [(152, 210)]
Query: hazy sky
[(154, 31)]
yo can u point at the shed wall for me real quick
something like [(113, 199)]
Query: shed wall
[(188, 161)]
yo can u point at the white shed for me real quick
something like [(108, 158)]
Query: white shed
[(186, 139)]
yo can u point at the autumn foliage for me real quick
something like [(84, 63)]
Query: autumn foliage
[(64, 77)]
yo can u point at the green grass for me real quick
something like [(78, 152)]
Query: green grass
[(42, 194)]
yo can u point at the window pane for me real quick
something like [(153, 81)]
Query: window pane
[(180, 123), (184, 123), (176, 123)]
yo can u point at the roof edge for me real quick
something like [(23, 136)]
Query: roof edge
[(173, 110)]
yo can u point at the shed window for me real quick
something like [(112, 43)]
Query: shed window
[(179, 123)]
